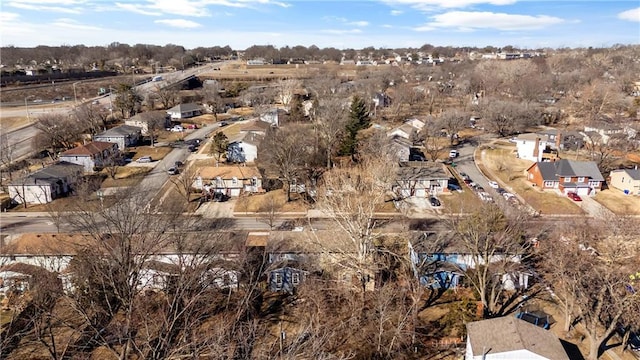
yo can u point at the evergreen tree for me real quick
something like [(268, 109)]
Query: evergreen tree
[(358, 120)]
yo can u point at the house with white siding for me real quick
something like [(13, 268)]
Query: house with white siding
[(96, 154)]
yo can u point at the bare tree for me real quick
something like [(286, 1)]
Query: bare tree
[(167, 95), (269, 210), (283, 151), (330, 122), (287, 90), (453, 121), (92, 118), (211, 96), (183, 182), (155, 122), (496, 247), (59, 131), (433, 142), (7, 154), (350, 197)]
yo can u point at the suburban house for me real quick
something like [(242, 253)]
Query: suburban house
[(511, 338), (421, 179), (444, 268), (581, 177), (568, 140), (143, 121), (157, 276), (123, 135), (401, 148), (184, 111), (46, 184), (381, 99), (93, 155), (603, 132), (626, 180), (23, 277), (257, 127), (286, 278), (228, 180), (243, 148), (405, 131), (535, 147), (274, 116)]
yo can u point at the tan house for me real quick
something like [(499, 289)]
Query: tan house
[(580, 177), (95, 154), (229, 180), (626, 180)]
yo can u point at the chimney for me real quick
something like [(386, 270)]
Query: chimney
[(536, 149)]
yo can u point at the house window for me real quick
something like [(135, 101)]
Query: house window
[(234, 181), (277, 277), (567, 179), (219, 181), (254, 181), (581, 179), (548, 184), (295, 278)]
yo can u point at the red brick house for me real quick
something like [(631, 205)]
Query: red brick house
[(581, 177)]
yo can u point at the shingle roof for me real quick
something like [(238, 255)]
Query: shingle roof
[(256, 125), (92, 148), (507, 333), (122, 130), (182, 108), (228, 172), (551, 170), (50, 175)]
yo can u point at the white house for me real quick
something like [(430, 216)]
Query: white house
[(46, 184), (228, 180), (123, 135), (532, 146), (143, 120), (626, 180), (404, 131), (243, 148), (93, 155), (508, 338), (429, 178), (184, 111)]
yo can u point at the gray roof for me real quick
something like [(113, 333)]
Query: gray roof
[(428, 170), (50, 174), (182, 108), (551, 170), (122, 130), (507, 333), (244, 137)]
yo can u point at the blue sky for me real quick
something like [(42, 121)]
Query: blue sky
[(340, 24)]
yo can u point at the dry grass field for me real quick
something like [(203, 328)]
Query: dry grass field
[(156, 153), (127, 176), (254, 203), (616, 201)]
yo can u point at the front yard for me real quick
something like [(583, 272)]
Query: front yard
[(616, 201), (499, 162)]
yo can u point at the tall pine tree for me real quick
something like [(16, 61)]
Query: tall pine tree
[(358, 120)]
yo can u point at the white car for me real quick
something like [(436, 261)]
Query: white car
[(494, 184), (177, 128)]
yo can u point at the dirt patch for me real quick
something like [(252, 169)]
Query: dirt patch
[(10, 123), (127, 176), (156, 153), (616, 201)]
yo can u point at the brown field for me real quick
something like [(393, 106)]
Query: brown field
[(616, 201), (156, 153), (253, 203), (501, 163)]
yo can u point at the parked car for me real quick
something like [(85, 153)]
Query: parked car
[(192, 148), (177, 128), (501, 191), (573, 196), (172, 171), (464, 176), (453, 154), (494, 184), (223, 123), (537, 318), (454, 187), (485, 197), (179, 164), (144, 159), (434, 201)]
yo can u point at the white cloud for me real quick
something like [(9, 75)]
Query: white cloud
[(179, 23), (387, 26), (8, 16), (64, 6), (467, 20), (630, 15), (431, 5), (359, 23), (137, 8), (396, 12), (73, 24)]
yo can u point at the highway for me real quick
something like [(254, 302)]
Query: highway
[(21, 140)]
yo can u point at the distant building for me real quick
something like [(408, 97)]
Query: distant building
[(96, 154), (123, 135), (46, 184)]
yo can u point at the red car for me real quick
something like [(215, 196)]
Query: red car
[(573, 196)]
